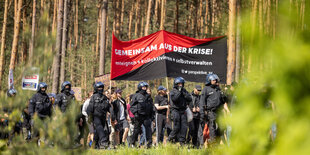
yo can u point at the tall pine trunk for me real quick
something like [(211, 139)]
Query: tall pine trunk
[(31, 46), (176, 17), (54, 16), (162, 14), (201, 19), (122, 17), (2, 54), (24, 48), (148, 18), (16, 33), (64, 42), (238, 42), (207, 18), (98, 33), (231, 41), (138, 14), (56, 75), (156, 21), (130, 21), (104, 11), (117, 22)]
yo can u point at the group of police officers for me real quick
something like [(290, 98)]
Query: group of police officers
[(169, 111)]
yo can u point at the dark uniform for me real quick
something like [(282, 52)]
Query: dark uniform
[(179, 99), (195, 129), (161, 116), (64, 99), (98, 108), (211, 99), (142, 108), (40, 103)]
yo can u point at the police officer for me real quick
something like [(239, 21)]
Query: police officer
[(179, 98), (142, 108), (40, 103), (64, 99), (97, 110), (162, 105), (212, 98)]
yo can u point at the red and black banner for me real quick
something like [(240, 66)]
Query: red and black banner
[(166, 54)]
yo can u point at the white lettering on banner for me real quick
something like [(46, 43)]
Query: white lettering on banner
[(195, 72), (202, 51), (180, 61), (161, 46), (151, 48)]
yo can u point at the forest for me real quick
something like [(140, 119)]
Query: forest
[(71, 40)]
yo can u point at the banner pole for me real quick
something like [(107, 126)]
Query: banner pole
[(111, 87), (167, 83)]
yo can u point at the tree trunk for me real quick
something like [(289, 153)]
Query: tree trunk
[(254, 12), (15, 8), (16, 34), (23, 52), (83, 17), (98, 33), (194, 20), (122, 17), (207, 18), (33, 25), (137, 23), (76, 39), (260, 24), (54, 16), (64, 42), (107, 32), (162, 14), (148, 18), (231, 41), (238, 42), (156, 20), (42, 7), (268, 28), (3, 39), (104, 11), (130, 21), (143, 14), (188, 18), (117, 26), (114, 17), (201, 19), (176, 17), (275, 18), (302, 14), (58, 47), (213, 17)]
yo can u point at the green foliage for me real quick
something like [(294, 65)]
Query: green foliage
[(279, 74)]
